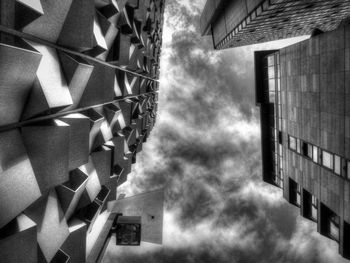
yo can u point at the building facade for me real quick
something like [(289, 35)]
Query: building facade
[(243, 22), (303, 92), (78, 98)]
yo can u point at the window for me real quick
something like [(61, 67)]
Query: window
[(298, 146), (298, 195), (271, 72), (314, 207), (307, 150), (337, 164), (348, 170), (315, 154), (334, 227), (327, 159), (294, 192), (271, 60), (292, 143), (272, 86)]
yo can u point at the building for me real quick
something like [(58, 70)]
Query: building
[(303, 92), (243, 22), (78, 98)]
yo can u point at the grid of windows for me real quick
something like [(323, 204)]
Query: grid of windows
[(328, 160), (272, 80)]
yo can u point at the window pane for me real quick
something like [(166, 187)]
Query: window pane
[(309, 151), (271, 60), (298, 146), (292, 143), (334, 227), (298, 199), (271, 72), (348, 170), (327, 159), (337, 162), (315, 154), (272, 85), (314, 212)]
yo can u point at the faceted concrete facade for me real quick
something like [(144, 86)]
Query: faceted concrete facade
[(78, 98)]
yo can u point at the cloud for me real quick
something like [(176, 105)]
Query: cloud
[(205, 149)]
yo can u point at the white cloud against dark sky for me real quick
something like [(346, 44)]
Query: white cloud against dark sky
[(205, 149)]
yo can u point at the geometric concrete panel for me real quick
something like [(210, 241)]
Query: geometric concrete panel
[(18, 241), (150, 207), (110, 11), (52, 226), (102, 195), (79, 139), (96, 121), (109, 32), (17, 70), (47, 144), (121, 51), (77, 72), (70, 192), (77, 31), (102, 159), (18, 185), (50, 91), (112, 185), (93, 185), (50, 24), (112, 111), (126, 20), (126, 107), (89, 214), (117, 90), (60, 257), (123, 177), (75, 244), (99, 42), (103, 136), (100, 87), (27, 11)]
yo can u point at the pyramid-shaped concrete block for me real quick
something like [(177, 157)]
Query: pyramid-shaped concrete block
[(18, 241), (18, 67), (50, 91), (47, 144), (18, 185)]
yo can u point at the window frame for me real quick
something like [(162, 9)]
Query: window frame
[(331, 160)]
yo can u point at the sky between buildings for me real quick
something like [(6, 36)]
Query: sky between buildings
[(205, 149)]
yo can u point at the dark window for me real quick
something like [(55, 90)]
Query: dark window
[(314, 207), (280, 137), (307, 150), (295, 192), (334, 227)]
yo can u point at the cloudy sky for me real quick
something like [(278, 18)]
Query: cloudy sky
[(205, 149)]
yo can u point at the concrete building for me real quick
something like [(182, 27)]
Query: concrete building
[(303, 92), (243, 22), (78, 98)]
